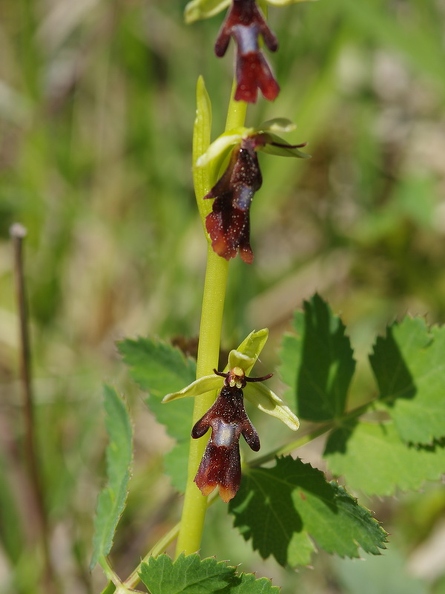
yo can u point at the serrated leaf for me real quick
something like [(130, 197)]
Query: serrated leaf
[(246, 583), (374, 459), (159, 369), (284, 510), (317, 363), (119, 454), (157, 366), (409, 367), (188, 574), (191, 575)]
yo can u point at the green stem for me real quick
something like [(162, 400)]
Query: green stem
[(195, 504)]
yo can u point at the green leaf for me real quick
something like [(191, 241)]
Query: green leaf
[(284, 509), (156, 366), (373, 459), (409, 367), (159, 369), (317, 363), (111, 500), (246, 583), (188, 574), (191, 575)]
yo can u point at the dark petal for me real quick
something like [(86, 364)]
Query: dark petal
[(229, 231), (245, 13), (245, 251), (269, 38), (253, 72), (221, 466), (246, 170), (222, 42), (250, 435), (201, 427)]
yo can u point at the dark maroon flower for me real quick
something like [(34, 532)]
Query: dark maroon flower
[(245, 24), (228, 225), (220, 465), (229, 222)]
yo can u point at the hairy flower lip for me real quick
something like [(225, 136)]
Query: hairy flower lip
[(245, 23), (228, 420)]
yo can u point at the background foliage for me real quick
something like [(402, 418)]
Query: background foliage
[(97, 107)]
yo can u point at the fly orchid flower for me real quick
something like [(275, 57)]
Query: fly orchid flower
[(228, 225), (227, 418), (221, 463), (245, 23)]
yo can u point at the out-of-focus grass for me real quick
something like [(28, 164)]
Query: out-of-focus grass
[(97, 108)]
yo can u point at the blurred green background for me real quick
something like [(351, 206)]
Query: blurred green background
[(97, 101)]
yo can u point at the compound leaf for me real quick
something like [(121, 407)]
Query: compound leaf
[(286, 509), (119, 454), (317, 363), (409, 367), (374, 459)]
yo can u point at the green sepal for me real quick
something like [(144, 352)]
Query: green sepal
[(203, 9), (203, 177), (204, 384), (286, 2), (219, 148), (253, 344), (268, 402)]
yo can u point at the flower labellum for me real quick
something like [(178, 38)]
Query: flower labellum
[(229, 222), (245, 24), (220, 465), (228, 225)]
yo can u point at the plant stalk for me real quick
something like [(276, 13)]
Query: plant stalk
[(215, 284), (18, 233)]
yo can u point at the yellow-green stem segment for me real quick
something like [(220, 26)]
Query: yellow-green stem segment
[(195, 504)]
